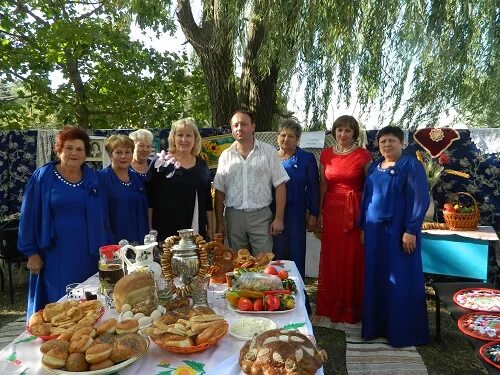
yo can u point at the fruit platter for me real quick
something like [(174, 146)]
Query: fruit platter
[(261, 290)]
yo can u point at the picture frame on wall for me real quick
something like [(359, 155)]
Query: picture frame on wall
[(96, 149)]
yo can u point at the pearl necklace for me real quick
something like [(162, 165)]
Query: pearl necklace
[(346, 151)]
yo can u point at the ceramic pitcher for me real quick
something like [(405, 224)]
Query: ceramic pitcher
[(144, 260)]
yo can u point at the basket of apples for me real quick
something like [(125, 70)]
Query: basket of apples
[(459, 216), (270, 291)]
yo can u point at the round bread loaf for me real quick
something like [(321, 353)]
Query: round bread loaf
[(55, 358), (138, 290), (76, 362), (51, 344), (130, 345), (127, 326), (109, 326), (98, 353), (80, 344)]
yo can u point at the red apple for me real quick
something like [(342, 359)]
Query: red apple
[(449, 207)]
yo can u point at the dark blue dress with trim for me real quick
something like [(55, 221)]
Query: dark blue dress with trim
[(394, 202)]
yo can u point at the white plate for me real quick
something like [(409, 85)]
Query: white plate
[(264, 325), (258, 312), (108, 370)]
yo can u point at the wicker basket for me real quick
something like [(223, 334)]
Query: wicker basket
[(462, 221)]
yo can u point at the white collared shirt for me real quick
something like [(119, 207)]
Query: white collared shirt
[(247, 183)]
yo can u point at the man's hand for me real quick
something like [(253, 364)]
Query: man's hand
[(35, 264), (409, 243), (221, 228), (276, 227)]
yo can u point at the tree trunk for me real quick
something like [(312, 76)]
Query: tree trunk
[(213, 46), (81, 108), (258, 91)]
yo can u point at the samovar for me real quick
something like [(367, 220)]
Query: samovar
[(185, 262)]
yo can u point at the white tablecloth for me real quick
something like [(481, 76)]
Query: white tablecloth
[(483, 233), (221, 359)]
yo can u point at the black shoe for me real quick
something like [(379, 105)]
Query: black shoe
[(308, 305)]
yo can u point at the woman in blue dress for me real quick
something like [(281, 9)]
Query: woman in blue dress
[(143, 145), (63, 221), (302, 195), (125, 192), (395, 199)]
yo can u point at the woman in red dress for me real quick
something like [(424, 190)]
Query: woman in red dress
[(342, 175)]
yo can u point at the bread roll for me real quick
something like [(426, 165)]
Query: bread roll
[(213, 332), (138, 290), (175, 340), (128, 346), (98, 353), (109, 326), (36, 318), (55, 358), (76, 362), (51, 344), (127, 326)]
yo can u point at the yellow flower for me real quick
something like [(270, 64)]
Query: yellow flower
[(184, 370)]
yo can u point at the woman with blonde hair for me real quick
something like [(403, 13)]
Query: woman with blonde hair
[(179, 185), (143, 144), (124, 191)]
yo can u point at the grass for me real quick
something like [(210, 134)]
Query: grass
[(452, 356)]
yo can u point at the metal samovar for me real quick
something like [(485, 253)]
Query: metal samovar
[(185, 263)]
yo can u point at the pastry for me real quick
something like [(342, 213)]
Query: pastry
[(127, 326), (98, 353), (281, 352), (76, 362)]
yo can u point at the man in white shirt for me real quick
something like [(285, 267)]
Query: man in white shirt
[(246, 173)]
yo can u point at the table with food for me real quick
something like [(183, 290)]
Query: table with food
[(202, 309)]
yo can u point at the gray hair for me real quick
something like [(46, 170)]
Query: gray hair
[(142, 135), (292, 124)]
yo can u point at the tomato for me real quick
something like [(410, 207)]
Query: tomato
[(270, 270), (258, 304), (449, 207), (233, 298), (244, 304), (283, 275), (272, 302)]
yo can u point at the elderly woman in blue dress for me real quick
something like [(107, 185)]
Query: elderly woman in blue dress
[(63, 221), (143, 145), (125, 192), (302, 195), (395, 199)]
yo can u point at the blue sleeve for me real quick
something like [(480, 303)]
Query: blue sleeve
[(417, 197), (30, 209), (365, 196), (312, 185)]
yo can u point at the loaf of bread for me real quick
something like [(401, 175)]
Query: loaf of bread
[(138, 290)]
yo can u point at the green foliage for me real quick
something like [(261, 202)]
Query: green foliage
[(110, 81)]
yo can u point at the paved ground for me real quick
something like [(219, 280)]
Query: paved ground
[(11, 330)]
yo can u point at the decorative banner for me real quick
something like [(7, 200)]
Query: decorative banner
[(435, 140), (212, 147)]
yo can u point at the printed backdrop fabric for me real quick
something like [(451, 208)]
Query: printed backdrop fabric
[(18, 150)]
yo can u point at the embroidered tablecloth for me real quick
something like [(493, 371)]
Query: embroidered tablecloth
[(221, 359)]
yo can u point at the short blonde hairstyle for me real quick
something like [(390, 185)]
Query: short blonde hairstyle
[(118, 140), (142, 135), (189, 124)]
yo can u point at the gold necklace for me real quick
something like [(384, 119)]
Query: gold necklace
[(346, 151)]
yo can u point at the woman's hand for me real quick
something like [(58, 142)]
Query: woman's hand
[(312, 223), (320, 220), (409, 243), (35, 264)]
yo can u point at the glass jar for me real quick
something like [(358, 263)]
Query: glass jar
[(110, 269)]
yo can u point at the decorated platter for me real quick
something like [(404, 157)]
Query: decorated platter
[(481, 325), (248, 327), (478, 299), (188, 349), (490, 353), (259, 312), (108, 370)]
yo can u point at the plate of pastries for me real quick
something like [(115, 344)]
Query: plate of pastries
[(60, 317), (104, 349), (187, 330)]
